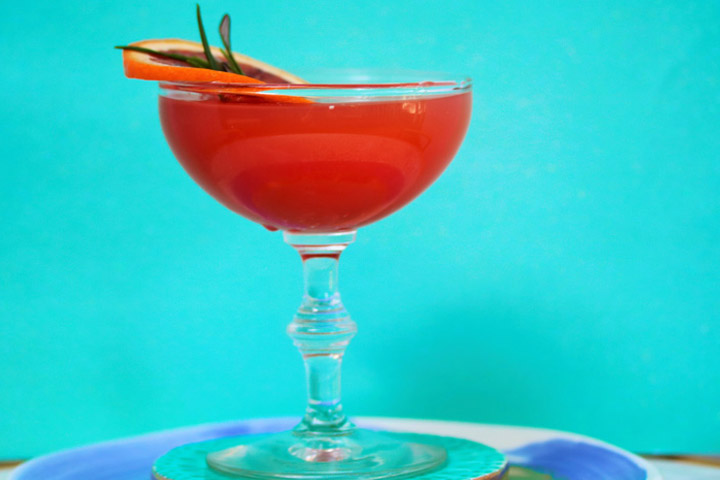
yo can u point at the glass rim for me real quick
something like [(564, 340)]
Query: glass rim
[(354, 82)]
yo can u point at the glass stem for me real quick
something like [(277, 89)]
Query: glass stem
[(321, 330)]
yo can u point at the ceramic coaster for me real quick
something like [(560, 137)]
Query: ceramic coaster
[(466, 460)]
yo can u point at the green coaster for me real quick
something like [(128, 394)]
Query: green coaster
[(466, 460)]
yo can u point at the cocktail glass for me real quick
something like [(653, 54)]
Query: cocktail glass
[(318, 161)]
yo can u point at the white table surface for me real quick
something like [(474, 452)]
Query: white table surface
[(670, 470)]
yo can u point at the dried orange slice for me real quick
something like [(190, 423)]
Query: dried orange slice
[(148, 66)]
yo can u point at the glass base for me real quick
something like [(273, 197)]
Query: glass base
[(358, 455)]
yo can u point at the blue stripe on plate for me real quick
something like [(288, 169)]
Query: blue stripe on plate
[(576, 460)]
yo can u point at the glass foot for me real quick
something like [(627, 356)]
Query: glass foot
[(358, 454)]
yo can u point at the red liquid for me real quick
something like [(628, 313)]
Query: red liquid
[(315, 167)]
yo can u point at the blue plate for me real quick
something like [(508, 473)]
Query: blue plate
[(533, 454)]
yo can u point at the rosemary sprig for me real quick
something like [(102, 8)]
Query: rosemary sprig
[(209, 62), (192, 61), (224, 30), (206, 46)]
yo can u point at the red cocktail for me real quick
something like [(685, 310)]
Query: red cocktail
[(317, 161), (331, 164)]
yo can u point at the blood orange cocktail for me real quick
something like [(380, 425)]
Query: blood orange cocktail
[(322, 165), (318, 161)]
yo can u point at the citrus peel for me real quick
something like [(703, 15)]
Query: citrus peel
[(148, 66)]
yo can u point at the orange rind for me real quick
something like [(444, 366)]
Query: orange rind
[(148, 66)]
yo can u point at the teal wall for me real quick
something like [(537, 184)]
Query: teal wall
[(563, 272)]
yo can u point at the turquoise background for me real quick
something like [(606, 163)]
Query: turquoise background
[(563, 273)]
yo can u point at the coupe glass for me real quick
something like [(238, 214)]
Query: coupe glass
[(318, 161)]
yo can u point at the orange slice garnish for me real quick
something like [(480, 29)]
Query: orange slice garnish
[(147, 66)]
